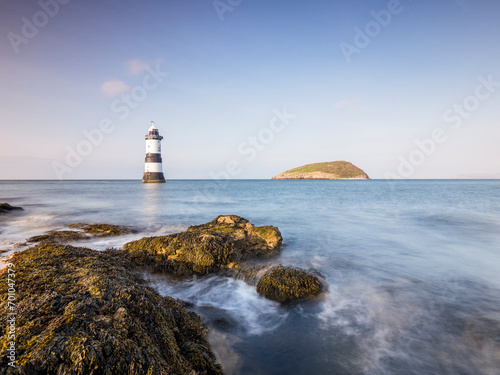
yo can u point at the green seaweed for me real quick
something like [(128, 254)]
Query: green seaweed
[(86, 231), (59, 236), (287, 284), (103, 230), (81, 311), (205, 248)]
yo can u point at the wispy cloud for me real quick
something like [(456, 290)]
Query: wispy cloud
[(114, 88), (136, 66), (347, 103)]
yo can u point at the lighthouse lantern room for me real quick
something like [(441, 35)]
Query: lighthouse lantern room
[(152, 168)]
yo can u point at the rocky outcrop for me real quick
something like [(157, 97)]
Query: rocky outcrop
[(6, 208), (222, 246), (85, 231), (103, 230), (287, 284), (204, 249), (81, 311), (249, 240), (335, 170)]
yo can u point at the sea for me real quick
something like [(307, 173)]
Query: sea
[(412, 266)]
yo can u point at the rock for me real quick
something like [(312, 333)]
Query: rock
[(86, 231), (205, 248), (335, 170), (103, 230), (249, 240), (81, 311), (6, 208), (287, 284), (59, 236)]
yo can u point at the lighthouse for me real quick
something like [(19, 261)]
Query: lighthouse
[(152, 167)]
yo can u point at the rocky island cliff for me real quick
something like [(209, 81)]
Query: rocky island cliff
[(334, 170)]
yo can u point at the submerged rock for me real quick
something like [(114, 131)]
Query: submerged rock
[(59, 236), (287, 284), (103, 230), (81, 311), (6, 208), (85, 231), (205, 248)]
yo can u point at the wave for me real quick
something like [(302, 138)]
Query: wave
[(238, 304)]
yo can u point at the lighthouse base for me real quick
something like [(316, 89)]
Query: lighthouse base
[(153, 177)]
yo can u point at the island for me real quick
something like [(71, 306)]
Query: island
[(333, 170)]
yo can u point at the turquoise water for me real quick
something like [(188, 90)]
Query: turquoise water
[(413, 267)]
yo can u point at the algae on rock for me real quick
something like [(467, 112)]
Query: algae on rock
[(103, 230), (287, 284), (81, 311), (204, 249), (85, 231)]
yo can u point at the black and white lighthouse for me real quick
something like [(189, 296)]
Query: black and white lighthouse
[(152, 168)]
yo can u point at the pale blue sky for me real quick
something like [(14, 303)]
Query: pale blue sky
[(231, 69)]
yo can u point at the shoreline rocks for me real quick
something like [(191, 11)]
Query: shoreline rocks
[(221, 246), (82, 311)]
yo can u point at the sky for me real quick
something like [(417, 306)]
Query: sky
[(247, 89)]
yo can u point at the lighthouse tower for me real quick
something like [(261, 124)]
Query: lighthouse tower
[(152, 168)]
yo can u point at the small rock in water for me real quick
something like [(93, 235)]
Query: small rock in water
[(287, 284), (6, 208)]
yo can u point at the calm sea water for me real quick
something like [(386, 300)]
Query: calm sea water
[(413, 267)]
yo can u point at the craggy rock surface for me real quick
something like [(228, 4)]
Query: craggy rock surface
[(81, 311), (103, 230), (6, 208), (287, 284), (205, 248), (85, 231), (59, 236)]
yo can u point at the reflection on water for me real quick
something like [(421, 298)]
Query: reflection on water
[(153, 202)]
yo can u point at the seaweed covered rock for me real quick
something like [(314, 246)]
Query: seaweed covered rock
[(183, 253), (6, 208), (81, 311), (59, 236), (85, 231), (205, 248), (249, 240), (103, 230), (287, 284)]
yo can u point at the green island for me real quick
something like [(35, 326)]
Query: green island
[(333, 170)]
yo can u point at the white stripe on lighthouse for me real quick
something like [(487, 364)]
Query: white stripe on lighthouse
[(152, 167), (153, 146)]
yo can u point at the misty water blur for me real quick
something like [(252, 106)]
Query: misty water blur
[(412, 266)]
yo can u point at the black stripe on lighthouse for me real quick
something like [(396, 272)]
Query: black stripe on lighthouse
[(153, 177), (153, 158)]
